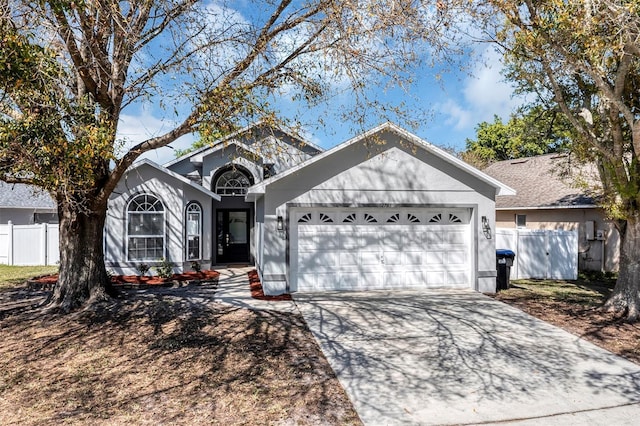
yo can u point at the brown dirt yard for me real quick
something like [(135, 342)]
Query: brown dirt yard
[(174, 356), (161, 356), (575, 307)]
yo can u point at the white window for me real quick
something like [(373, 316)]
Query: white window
[(194, 231), (232, 182), (145, 228), (521, 220)]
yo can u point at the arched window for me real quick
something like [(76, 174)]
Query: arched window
[(145, 228), (232, 182), (193, 231)]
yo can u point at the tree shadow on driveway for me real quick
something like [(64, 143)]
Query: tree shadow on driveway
[(460, 357)]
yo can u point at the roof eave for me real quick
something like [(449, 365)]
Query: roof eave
[(577, 206)]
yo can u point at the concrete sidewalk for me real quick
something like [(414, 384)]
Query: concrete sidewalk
[(459, 357), (233, 289)]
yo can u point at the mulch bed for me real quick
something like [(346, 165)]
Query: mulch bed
[(256, 289), (135, 281)]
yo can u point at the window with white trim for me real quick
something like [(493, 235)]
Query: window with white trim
[(521, 221), (232, 182), (193, 231), (145, 228)]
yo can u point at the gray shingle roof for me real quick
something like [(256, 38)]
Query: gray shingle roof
[(18, 195), (545, 181)]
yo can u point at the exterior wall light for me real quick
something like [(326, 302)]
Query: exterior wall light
[(486, 228), (280, 226)]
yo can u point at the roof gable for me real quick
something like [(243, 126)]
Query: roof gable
[(545, 181), (247, 137), (371, 135), (164, 170)]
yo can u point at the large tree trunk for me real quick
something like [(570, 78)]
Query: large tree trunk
[(625, 298), (82, 277)]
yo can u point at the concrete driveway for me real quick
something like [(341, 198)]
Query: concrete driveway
[(458, 357)]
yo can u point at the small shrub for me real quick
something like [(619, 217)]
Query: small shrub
[(143, 268), (165, 268), (196, 266)]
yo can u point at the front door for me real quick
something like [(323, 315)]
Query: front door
[(232, 236)]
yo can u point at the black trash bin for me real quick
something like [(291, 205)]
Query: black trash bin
[(504, 261)]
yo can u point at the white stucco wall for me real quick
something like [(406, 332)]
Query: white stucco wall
[(175, 195), (390, 174)]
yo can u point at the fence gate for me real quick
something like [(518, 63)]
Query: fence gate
[(541, 253), (29, 244)]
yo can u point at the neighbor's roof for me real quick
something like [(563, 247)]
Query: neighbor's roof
[(546, 181), (21, 196), (501, 188)]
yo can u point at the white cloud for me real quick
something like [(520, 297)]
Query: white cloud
[(484, 94), (457, 116)]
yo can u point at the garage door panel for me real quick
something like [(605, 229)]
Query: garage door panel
[(369, 239), (434, 257), (394, 279), (349, 258), (435, 278), (412, 258), (415, 278), (317, 260), (434, 238), (350, 241), (392, 257), (455, 238), (328, 241), (348, 280), (457, 278), (371, 280), (370, 258), (393, 240), (456, 257)]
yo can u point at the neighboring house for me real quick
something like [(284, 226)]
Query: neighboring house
[(382, 210), (549, 198), (23, 204), (28, 226)]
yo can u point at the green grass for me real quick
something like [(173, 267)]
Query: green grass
[(583, 291), (10, 276)]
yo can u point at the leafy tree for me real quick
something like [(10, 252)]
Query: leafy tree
[(584, 56), (530, 132), (70, 68)]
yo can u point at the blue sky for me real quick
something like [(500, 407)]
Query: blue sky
[(447, 109)]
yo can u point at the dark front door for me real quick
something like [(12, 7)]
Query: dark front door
[(232, 236)]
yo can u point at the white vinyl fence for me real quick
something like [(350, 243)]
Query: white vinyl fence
[(29, 244), (541, 253)]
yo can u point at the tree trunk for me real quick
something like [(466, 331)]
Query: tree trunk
[(82, 277), (625, 298)]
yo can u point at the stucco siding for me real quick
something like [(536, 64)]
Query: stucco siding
[(392, 178), (145, 180)]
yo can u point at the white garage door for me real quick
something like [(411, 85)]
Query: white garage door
[(365, 249)]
